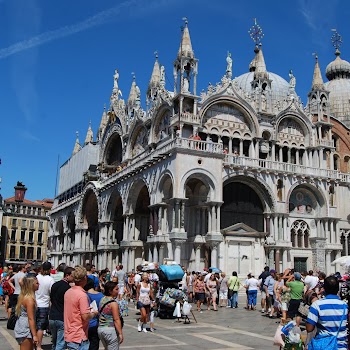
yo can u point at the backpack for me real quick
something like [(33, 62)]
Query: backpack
[(6, 287)]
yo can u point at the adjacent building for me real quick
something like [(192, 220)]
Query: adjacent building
[(238, 176), (24, 230)]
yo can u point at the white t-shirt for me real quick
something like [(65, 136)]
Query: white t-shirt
[(137, 279), (253, 284), (311, 282), (207, 277), (16, 278), (42, 295)]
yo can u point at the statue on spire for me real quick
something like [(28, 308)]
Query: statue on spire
[(116, 90), (229, 65), (292, 81), (162, 76)]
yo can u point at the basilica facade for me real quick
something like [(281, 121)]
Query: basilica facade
[(239, 176)]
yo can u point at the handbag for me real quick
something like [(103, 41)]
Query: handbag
[(326, 341), (11, 322), (303, 309)]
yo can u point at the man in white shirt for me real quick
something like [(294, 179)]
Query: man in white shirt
[(42, 296), (310, 281), (138, 274)]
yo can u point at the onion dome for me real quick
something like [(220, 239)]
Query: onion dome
[(338, 74)]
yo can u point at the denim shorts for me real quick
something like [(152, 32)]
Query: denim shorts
[(42, 318)]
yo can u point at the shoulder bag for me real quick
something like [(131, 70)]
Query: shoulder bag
[(120, 316), (326, 341), (11, 322)]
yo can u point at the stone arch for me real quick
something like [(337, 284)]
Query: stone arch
[(115, 214), (110, 146), (306, 199), (243, 113), (165, 187), (206, 177), (139, 139), (161, 123), (245, 200), (89, 188), (263, 190), (298, 124)]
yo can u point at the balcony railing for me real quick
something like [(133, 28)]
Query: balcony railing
[(324, 143), (186, 117), (246, 162)]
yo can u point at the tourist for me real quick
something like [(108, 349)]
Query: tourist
[(329, 315), (252, 286), (102, 280), (77, 312), (277, 292), (110, 329), (144, 296), (233, 287), (25, 329), (96, 297), (15, 282), (296, 293), (211, 286), (199, 291), (269, 286), (59, 272), (42, 296), (131, 286), (310, 281), (262, 278), (90, 270), (56, 315), (223, 290)]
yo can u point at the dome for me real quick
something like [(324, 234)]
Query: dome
[(279, 86), (339, 68), (339, 98)]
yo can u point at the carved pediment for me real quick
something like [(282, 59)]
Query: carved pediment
[(242, 230)]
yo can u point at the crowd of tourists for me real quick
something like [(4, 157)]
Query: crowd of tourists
[(81, 308)]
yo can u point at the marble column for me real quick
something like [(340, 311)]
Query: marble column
[(155, 253), (161, 253), (177, 252), (197, 256), (277, 260), (214, 255)]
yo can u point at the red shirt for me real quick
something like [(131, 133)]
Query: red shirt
[(75, 304)]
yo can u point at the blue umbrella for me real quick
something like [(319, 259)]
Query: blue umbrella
[(215, 269)]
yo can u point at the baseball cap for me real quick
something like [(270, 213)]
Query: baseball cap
[(46, 266), (272, 271), (297, 276)]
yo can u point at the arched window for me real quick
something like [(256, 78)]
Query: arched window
[(300, 234)]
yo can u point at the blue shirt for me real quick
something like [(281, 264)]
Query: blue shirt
[(326, 314), (97, 297), (270, 283)]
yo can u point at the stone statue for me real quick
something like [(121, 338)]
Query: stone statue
[(162, 75), (292, 80), (229, 64), (186, 85), (116, 77)]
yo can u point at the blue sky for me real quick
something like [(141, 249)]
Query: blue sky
[(57, 60)]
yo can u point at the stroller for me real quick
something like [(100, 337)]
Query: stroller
[(169, 292)]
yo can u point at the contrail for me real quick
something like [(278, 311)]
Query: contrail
[(93, 21)]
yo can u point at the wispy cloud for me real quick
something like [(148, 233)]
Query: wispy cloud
[(28, 136), (100, 18)]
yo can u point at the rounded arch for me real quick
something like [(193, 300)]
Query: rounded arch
[(90, 188), (261, 187), (165, 186), (243, 112), (133, 194), (289, 122), (206, 177), (115, 215), (109, 142), (139, 139), (306, 199), (161, 123), (244, 201)]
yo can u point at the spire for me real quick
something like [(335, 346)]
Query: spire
[(257, 65), (317, 81), (134, 95), (155, 77), (104, 119), (185, 48), (77, 146), (89, 135)]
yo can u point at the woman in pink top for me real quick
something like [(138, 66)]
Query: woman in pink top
[(212, 288)]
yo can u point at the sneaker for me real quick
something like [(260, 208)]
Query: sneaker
[(139, 329), (145, 330), (151, 330), (201, 312), (263, 311), (269, 310)]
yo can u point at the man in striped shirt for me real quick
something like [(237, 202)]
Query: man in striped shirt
[(328, 315)]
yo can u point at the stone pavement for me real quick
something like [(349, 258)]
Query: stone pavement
[(227, 329)]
